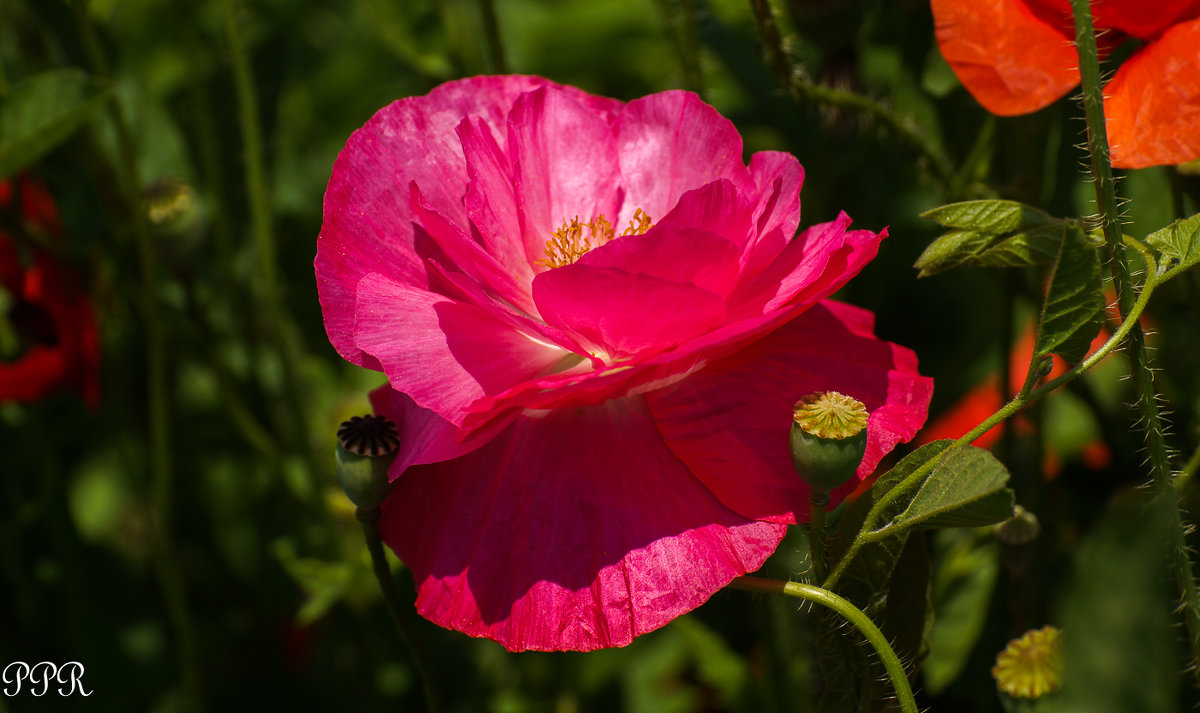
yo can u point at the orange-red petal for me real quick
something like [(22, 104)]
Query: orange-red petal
[(1011, 60), (1153, 102)]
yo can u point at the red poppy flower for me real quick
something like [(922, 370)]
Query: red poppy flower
[(1017, 56), (594, 417), (53, 340)]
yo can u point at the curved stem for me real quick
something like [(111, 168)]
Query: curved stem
[(869, 533), (397, 610), (852, 614)]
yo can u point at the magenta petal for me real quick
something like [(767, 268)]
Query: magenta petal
[(813, 265), (779, 177), (717, 207), (572, 529), (425, 436), (367, 223), (670, 143), (685, 255), (618, 315), (558, 179), (443, 353), (730, 422)]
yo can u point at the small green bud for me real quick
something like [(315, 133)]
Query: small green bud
[(366, 447), (829, 438)]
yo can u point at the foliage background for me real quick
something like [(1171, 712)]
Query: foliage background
[(238, 579)]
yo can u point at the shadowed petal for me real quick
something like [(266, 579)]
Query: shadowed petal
[(730, 422), (572, 529), (451, 353), (425, 437), (1153, 102)]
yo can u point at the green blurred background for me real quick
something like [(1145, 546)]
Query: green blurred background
[(231, 575)]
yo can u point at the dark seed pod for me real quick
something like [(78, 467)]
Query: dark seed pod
[(366, 447)]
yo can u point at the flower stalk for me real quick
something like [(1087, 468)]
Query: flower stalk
[(852, 614), (1139, 363), (396, 608)]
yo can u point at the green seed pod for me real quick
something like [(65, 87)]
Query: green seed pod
[(366, 447), (829, 438)]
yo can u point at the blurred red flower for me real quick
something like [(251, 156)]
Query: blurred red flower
[(53, 342), (1017, 56)]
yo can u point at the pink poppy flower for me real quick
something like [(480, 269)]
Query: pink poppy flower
[(594, 319), (1017, 56)]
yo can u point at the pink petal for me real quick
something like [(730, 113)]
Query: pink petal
[(572, 529), (670, 143), (557, 179), (730, 422), (779, 177), (619, 315), (425, 437), (443, 353), (491, 201), (814, 265), (367, 222), (468, 256)]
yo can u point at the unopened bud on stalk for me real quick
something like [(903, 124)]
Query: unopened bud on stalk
[(366, 447), (829, 438)]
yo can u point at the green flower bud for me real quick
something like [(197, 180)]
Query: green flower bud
[(366, 447), (829, 438)]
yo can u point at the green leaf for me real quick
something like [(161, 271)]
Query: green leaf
[(41, 112), (965, 489), (967, 565), (1074, 309), (991, 233), (1178, 245)]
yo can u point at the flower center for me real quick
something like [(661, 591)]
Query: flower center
[(574, 239), (830, 414)]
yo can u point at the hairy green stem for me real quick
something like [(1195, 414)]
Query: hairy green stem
[(163, 554), (397, 610), (817, 502), (1139, 361), (800, 88), (852, 614)]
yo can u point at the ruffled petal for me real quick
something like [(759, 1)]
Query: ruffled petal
[(367, 225), (779, 177), (572, 529), (443, 353), (730, 422), (670, 143), (1153, 102), (1011, 60), (814, 265), (618, 315), (425, 436), (556, 180)]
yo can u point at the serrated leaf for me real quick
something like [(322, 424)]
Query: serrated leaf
[(41, 112), (1178, 245), (1074, 310), (965, 489), (991, 233), (997, 217)]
